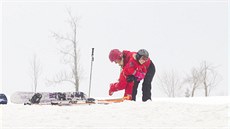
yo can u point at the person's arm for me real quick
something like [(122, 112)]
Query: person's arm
[(120, 85)]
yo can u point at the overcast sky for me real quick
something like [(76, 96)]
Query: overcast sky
[(177, 34)]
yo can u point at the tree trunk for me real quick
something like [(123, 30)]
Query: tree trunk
[(75, 61), (193, 90), (205, 79)]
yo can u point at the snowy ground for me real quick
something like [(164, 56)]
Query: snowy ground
[(161, 113)]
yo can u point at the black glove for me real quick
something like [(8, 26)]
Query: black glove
[(130, 78)]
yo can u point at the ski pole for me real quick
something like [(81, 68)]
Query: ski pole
[(91, 68)]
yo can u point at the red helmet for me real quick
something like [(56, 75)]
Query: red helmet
[(115, 54)]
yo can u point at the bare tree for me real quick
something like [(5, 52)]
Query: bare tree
[(70, 52), (203, 77), (194, 80), (209, 77), (35, 72), (170, 83)]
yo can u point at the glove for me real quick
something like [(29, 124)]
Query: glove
[(112, 88), (139, 76), (130, 78)]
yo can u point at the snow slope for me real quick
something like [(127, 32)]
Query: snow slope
[(160, 113)]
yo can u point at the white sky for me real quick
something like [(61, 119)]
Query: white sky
[(177, 34)]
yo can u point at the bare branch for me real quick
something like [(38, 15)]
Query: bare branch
[(60, 37), (65, 52), (170, 84), (35, 71), (60, 78), (71, 53)]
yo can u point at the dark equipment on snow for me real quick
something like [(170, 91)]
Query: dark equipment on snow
[(61, 96), (3, 99), (90, 100), (36, 98), (80, 95)]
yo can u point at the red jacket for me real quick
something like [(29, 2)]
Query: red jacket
[(122, 84), (127, 55), (131, 66)]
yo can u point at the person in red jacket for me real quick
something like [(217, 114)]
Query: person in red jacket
[(145, 65), (132, 68)]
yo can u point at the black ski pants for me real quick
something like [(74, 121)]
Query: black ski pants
[(146, 85)]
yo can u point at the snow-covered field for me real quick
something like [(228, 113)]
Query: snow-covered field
[(160, 113)]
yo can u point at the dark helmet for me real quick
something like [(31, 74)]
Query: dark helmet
[(115, 54), (142, 53)]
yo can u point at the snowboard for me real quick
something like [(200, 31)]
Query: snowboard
[(58, 98), (46, 97)]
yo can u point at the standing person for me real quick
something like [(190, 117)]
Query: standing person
[(142, 56)]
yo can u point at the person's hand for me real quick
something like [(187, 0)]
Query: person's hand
[(130, 78), (139, 76), (112, 88)]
